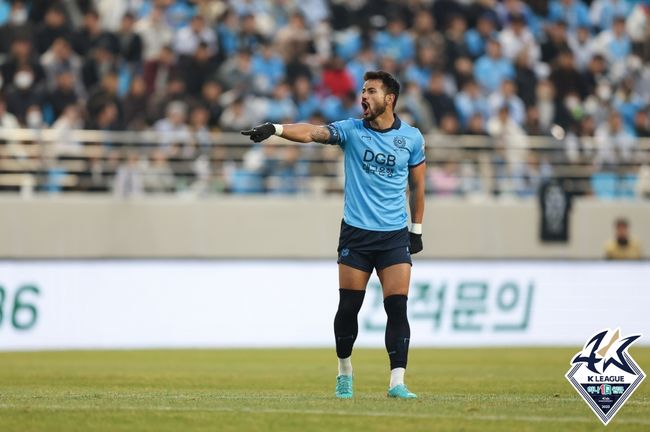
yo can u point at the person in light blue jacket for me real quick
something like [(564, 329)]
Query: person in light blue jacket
[(492, 68)]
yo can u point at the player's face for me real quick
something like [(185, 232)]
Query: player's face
[(374, 100)]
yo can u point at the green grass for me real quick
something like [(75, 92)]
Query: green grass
[(292, 390)]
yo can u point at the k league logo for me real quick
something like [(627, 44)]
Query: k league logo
[(604, 373)]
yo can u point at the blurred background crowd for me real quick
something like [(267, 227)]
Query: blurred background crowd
[(508, 93)]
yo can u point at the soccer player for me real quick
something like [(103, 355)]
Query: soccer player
[(382, 155)]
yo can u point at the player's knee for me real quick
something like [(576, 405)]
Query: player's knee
[(395, 307), (350, 301)]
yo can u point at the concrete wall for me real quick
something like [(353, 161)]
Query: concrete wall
[(272, 227)]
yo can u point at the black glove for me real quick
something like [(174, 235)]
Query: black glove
[(260, 133), (416, 243)]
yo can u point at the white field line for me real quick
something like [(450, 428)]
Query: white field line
[(480, 417), (206, 397)]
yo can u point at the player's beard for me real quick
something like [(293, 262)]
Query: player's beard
[(373, 113)]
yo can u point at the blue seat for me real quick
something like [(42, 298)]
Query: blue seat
[(604, 185), (246, 182), (54, 181)]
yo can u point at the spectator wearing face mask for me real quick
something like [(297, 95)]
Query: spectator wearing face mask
[(23, 93), (622, 246), (21, 55), (16, 27)]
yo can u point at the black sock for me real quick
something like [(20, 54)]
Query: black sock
[(398, 331), (346, 326)]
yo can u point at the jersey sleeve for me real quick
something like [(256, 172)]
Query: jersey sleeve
[(340, 132), (417, 152)]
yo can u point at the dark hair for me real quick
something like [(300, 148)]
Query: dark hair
[(93, 13), (391, 86), (621, 221)]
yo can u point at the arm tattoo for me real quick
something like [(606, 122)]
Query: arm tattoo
[(320, 134)]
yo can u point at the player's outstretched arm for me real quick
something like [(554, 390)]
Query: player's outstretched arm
[(298, 132)]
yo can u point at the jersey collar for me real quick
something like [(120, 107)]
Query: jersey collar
[(396, 125)]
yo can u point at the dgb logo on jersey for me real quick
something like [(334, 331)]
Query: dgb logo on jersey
[(604, 373), (379, 158)]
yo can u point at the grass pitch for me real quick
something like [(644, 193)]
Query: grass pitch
[(292, 390)]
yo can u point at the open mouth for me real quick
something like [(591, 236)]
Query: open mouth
[(365, 107)]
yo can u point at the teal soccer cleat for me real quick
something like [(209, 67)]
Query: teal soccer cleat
[(344, 387), (401, 392)]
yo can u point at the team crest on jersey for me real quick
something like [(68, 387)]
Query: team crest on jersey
[(399, 142), (604, 373)]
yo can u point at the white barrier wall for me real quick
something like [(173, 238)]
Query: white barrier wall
[(143, 304), (288, 227)]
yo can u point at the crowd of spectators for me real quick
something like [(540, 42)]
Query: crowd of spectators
[(576, 71)]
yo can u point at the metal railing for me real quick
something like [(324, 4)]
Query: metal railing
[(140, 162)]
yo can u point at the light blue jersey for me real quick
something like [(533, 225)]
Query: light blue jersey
[(377, 166)]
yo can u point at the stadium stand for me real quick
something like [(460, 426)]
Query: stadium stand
[(139, 96)]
